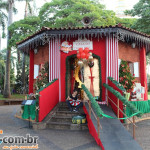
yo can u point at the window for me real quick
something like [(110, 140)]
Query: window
[(134, 67)]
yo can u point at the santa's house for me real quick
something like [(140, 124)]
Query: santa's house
[(107, 46)]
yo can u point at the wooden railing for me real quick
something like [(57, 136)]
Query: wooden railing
[(91, 111), (119, 110)]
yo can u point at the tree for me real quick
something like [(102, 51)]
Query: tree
[(2, 71), (69, 13), (3, 19), (2, 68), (127, 22), (20, 30), (28, 10), (43, 77), (7, 72), (125, 76), (142, 10)]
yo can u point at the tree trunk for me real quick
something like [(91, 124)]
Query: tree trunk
[(24, 57), (0, 41), (26, 7), (7, 69), (23, 72)]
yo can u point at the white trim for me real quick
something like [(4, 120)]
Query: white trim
[(106, 91), (59, 73), (117, 60), (49, 61), (53, 59)]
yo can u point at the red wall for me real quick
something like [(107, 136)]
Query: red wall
[(31, 72), (115, 99), (143, 71), (99, 48), (92, 129), (48, 99)]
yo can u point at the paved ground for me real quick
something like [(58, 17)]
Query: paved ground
[(48, 139), (62, 140), (142, 134)]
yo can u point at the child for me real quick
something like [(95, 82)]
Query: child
[(72, 101)]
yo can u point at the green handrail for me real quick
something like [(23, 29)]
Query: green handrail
[(124, 100), (95, 105)]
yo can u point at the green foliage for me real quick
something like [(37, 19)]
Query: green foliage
[(21, 29), (3, 19), (142, 10), (2, 69), (43, 77), (69, 13), (18, 79), (127, 22), (95, 105), (130, 106), (125, 76)]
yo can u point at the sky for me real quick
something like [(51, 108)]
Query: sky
[(110, 5)]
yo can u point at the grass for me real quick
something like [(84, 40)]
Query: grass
[(149, 95), (13, 97)]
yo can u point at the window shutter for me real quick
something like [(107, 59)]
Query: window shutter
[(136, 69)]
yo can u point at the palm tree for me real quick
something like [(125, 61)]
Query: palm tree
[(10, 5), (3, 18)]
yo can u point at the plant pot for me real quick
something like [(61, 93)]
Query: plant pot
[(127, 95)]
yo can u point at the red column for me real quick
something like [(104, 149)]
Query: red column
[(143, 71), (31, 71)]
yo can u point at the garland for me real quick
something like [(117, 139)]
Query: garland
[(100, 77), (124, 100), (117, 84), (142, 106), (95, 105)]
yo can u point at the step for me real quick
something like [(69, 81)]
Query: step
[(63, 104), (61, 119), (66, 126), (68, 113), (63, 108)]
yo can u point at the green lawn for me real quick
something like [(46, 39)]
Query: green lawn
[(149, 95), (13, 97)]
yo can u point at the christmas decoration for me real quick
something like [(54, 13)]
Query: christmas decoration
[(43, 77), (83, 54), (132, 108), (125, 77), (117, 84), (91, 64)]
